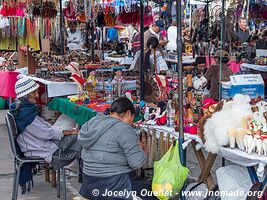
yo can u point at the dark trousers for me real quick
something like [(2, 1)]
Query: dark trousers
[(103, 188)]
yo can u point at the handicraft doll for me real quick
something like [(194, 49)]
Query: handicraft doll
[(118, 84), (91, 83)]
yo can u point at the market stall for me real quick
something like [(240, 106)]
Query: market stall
[(170, 102)]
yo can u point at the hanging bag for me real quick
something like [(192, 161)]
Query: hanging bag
[(169, 174)]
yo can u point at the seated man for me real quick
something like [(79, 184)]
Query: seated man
[(36, 137)]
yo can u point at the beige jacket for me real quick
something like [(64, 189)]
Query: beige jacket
[(148, 34)]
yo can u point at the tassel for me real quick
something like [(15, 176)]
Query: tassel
[(161, 141), (252, 145), (258, 142), (231, 136), (247, 141), (240, 139)]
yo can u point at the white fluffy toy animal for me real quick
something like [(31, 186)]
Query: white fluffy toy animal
[(230, 117)]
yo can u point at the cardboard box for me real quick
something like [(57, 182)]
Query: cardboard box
[(249, 84), (226, 90)]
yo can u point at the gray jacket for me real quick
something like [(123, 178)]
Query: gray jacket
[(36, 139), (110, 147)]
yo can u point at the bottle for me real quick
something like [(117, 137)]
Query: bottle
[(170, 114), (109, 91)]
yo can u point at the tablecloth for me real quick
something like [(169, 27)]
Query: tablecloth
[(121, 60), (7, 84), (80, 113), (245, 66), (244, 159), (57, 89)]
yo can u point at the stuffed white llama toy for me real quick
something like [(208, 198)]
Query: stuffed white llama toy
[(217, 127)]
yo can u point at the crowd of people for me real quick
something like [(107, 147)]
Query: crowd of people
[(107, 144)]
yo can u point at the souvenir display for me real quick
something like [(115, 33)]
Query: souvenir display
[(118, 84)]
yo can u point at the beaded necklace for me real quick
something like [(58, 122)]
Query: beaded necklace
[(21, 27)]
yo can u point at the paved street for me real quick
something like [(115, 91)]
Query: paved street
[(42, 190)]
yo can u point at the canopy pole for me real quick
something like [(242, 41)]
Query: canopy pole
[(61, 28), (222, 43), (180, 83), (180, 76), (142, 77)]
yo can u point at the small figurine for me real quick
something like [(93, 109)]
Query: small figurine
[(91, 83), (118, 83)]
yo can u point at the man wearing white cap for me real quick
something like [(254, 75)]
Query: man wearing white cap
[(36, 137)]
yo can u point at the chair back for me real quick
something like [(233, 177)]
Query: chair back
[(12, 133)]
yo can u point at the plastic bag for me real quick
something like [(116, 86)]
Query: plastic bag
[(169, 175)]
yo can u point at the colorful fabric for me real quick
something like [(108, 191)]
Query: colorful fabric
[(7, 83), (112, 34), (80, 113)]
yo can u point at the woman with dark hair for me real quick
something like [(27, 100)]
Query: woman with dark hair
[(111, 152), (153, 56)]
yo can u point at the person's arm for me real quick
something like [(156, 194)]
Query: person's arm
[(208, 76), (77, 37), (43, 130), (146, 37), (209, 73), (128, 141)]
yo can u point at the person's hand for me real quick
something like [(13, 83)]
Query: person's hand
[(71, 132)]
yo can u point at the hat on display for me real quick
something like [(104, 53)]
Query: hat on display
[(159, 23), (81, 18), (208, 102), (73, 67), (25, 86), (222, 53)]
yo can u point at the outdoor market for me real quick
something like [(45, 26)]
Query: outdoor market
[(115, 96)]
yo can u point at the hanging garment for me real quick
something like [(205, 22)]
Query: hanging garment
[(172, 37), (112, 34)]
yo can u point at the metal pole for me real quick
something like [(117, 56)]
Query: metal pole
[(180, 83), (61, 28), (180, 65), (180, 75), (142, 77), (222, 47), (222, 44)]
